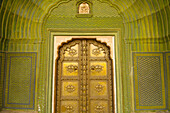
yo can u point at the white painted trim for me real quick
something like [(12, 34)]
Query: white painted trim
[(114, 69)]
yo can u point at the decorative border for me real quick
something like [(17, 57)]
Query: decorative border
[(2, 55), (0, 65), (9, 81), (136, 98), (30, 105), (168, 73), (167, 55)]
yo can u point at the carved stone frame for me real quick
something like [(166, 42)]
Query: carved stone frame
[(58, 36)]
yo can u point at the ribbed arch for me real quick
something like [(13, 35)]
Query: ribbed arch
[(142, 18)]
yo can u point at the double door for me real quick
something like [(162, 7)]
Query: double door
[(84, 78)]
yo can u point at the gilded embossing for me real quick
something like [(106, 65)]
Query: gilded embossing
[(99, 109), (100, 106), (71, 51), (72, 68), (69, 109), (97, 68), (70, 88), (99, 87), (96, 51)]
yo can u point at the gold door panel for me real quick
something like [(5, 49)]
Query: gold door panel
[(71, 51), (98, 89), (70, 88), (84, 78), (70, 68), (98, 68), (69, 107), (96, 51), (99, 106)]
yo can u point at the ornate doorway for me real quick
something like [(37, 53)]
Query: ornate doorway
[(84, 78)]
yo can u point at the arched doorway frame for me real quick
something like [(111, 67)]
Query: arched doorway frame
[(112, 38)]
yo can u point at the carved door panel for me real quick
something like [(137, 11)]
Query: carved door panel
[(84, 78)]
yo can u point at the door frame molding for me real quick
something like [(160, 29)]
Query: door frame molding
[(72, 33)]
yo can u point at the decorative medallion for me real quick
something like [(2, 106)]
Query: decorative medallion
[(99, 109), (97, 68), (72, 68), (97, 51), (99, 87), (70, 88), (72, 52), (69, 109)]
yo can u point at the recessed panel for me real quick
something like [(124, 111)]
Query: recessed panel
[(96, 51), (71, 51), (70, 88), (149, 81), (2, 61), (98, 88), (69, 107), (70, 68), (98, 106), (19, 92), (98, 68), (168, 73)]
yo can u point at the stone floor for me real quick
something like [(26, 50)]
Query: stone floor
[(10, 111)]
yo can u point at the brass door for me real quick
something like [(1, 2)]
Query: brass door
[(84, 78)]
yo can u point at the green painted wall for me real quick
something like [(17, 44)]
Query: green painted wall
[(64, 16), (19, 81), (144, 24)]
